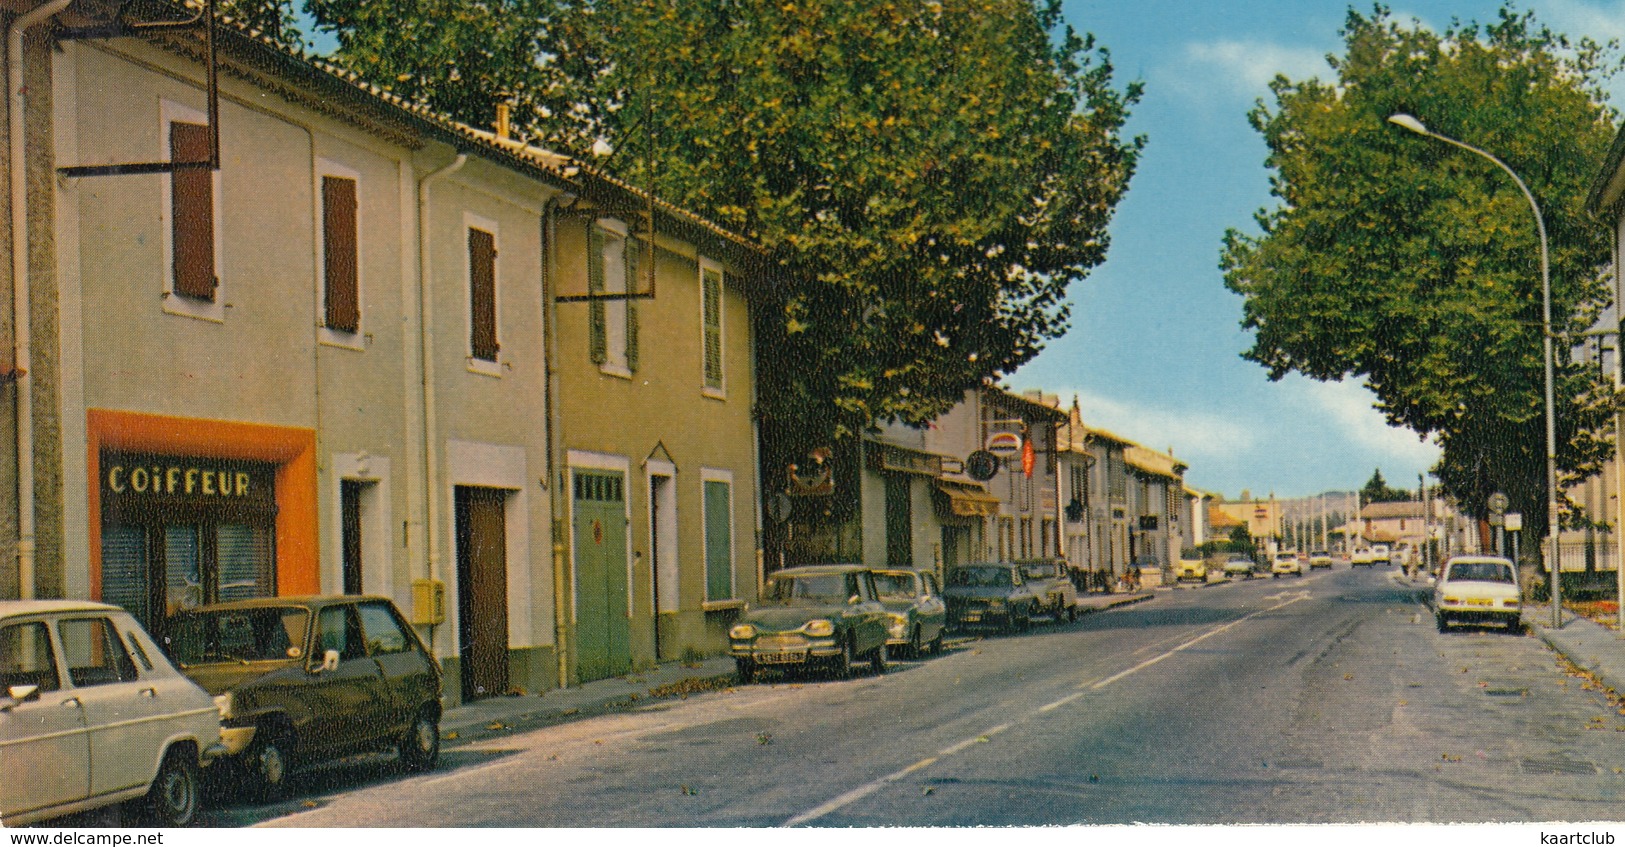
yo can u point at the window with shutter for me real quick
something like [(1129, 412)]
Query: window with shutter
[(711, 319), (339, 236), (597, 343), (637, 257), (718, 503), (192, 213), (482, 294)]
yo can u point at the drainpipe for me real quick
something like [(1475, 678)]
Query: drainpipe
[(21, 310), (431, 431), (555, 439)]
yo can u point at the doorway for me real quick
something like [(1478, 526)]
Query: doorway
[(482, 591)]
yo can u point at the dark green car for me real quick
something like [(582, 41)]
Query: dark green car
[(815, 616), (991, 594), (300, 680)]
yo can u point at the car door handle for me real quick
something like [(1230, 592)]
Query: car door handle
[(74, 702), (149, 692)]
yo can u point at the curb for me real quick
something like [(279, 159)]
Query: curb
[(551, 715), (1592, 664)]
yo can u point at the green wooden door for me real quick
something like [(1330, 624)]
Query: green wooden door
[(603, 631)]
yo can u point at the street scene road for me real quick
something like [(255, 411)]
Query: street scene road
[(1324, 699)]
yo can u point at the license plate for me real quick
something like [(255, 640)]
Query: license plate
[(780, 658), (971, 617), (1479, 601)]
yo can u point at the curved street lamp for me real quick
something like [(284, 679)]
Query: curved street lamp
[(1408, 122)]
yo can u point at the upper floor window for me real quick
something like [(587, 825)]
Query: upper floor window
[(482, 295), (711, 325), (614, 263), (191, 209), (341, 280)]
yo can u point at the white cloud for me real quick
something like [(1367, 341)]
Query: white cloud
[(1189, 433), (1347, 408), (1246, 67)]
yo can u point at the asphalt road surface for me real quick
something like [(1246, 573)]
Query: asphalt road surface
[(1329, 698)]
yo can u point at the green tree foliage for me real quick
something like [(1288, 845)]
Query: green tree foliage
[(1415, 265), (1376, 490), (463, 57), (936, 172)]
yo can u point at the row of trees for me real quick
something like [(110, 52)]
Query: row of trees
[(928, 175), (1414, 266)]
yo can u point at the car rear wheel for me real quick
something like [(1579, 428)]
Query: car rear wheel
[(420, 748), (879, 662), (936, 643), (1444, 622), (916, 648), (745, 669), (173, 798)]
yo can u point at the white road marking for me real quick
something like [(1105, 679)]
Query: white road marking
[(1096, 686), (866, 789)]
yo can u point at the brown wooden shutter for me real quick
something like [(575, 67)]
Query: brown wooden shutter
[(192, 212), (343, 293), (482, 279)]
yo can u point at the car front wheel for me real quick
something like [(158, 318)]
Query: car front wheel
[(420, 748), (1444, 622), (879, 662), (843, 662), (173, 798), (745, 669), (269, 765)]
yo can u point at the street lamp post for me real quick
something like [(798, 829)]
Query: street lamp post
[(1408, 122)]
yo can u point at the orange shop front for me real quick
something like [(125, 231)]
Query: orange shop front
[(185, 511)]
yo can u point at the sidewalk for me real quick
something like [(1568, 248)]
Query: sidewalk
[(497, 716), (1588, 644)]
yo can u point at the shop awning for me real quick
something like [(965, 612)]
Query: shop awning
[(966, 499)]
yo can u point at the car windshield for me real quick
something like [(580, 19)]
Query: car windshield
[(895, 586), (809, 589), (1041, 570), (981, 578), (1482, 572), (1285, 557), (238, 635), (1321, 554)]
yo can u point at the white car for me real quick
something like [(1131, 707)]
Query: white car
[(1478, 589), (92, 713), (1362, 556), (1320, 559), (1285, 562)]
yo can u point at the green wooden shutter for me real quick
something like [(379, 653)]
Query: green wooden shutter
[(634, 270), (711, 292), (597, 343), (718, 542)]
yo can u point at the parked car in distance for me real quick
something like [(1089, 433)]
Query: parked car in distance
[(1050, 581), (991, 594), (1380, 554), (1191, 567), (813, 616), (1478, 589), (92, 713), (1238, 565), (1362, 557), (1284, 563), (918, 614), (1320, 559), (301, 680)]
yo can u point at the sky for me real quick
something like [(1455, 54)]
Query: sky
[(1154, 351)]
